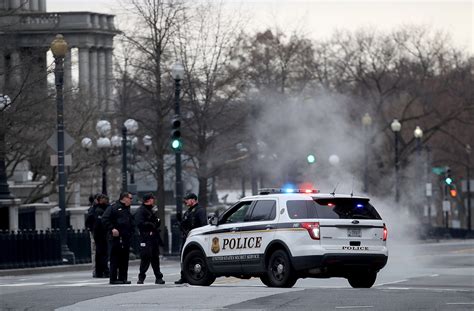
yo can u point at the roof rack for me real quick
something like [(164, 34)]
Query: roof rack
[(285, 190)]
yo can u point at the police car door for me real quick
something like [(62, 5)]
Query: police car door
[(223, 241), (256, 233)]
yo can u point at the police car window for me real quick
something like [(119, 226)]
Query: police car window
[(301, 209), (263, 210), (238, 213), (345, 208)]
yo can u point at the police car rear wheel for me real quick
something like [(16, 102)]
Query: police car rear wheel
[(362, 280), (279, 270), (195, 269)]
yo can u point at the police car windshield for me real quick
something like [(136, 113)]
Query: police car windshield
[(332, 208)]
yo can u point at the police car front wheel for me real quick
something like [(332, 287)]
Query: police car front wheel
[(279, 271), (196, 270)]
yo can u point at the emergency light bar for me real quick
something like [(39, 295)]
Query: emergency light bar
[(286, 190)]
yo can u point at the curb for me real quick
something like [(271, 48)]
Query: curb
[(164, 261)]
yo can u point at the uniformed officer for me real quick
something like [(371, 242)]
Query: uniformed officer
[(148, 223), (194, 217), (99, 233), (120, 225)]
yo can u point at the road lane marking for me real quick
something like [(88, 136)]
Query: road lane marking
[(354, 307), (394, 282), (434, 289), (460, 303), (23, 284)]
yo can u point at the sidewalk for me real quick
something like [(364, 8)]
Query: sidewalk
[(79, 267)]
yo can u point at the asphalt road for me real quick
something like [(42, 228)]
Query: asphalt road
[(427, 276)]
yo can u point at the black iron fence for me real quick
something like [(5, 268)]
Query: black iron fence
[(30, 248)]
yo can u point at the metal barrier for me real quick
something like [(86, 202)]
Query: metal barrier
[(29, 248)]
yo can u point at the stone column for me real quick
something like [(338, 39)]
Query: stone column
[(15, 4), (43, 216), (109, 81), (42, 5), (77, 217), (84, 75), (34, 5), (94, 76), (43, 67), (15, 69), (13, 218), (102, 80), (67, 72), (25, 5), (2, 72)]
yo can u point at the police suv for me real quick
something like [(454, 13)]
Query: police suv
[(281, 235)]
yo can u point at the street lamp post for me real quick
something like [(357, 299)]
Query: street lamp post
[(104, 143), (130, 126), (5, 194), (366, 122), (418, 134), (396, 127), (468, 186), (59, 49), (177, 71)]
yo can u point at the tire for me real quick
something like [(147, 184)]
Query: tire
[(279, 271), (196, 270), (264, 279), (362, 280)]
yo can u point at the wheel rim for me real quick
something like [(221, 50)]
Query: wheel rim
[(279, 268), (197, 269)]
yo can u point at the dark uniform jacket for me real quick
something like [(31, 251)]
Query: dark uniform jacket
[(194, 217), (118, 216), (94, 220), (147, 222)]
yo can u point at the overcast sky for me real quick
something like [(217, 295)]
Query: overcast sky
[(318, 18)]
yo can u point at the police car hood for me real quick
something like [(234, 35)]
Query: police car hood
[(200, 230)]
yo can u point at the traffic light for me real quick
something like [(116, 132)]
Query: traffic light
[(447, 177), (176, 133), (453, 191), (311, 158)]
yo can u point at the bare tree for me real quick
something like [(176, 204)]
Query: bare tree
[(213, 109)]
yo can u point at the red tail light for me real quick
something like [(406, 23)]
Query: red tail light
[(313, 229), (385, 232)]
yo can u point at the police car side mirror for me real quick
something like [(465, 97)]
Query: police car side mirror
[(214, 219)]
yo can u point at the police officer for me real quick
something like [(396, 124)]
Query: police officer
[(194, 217), (148, 223), (120, 225), (99, 233)]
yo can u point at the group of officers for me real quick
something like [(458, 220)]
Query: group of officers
[(112, 227)]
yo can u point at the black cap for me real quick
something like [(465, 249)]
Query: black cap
[(190, 196), (148, 196)]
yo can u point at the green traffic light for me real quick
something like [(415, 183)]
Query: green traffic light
[(175, 144), (448, 180), (311, 159)]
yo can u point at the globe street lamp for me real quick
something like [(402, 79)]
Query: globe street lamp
[(366, 123), (5, 103), (130, 126), (418, 134), (396, 127), (104, 143), (59, 49)]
